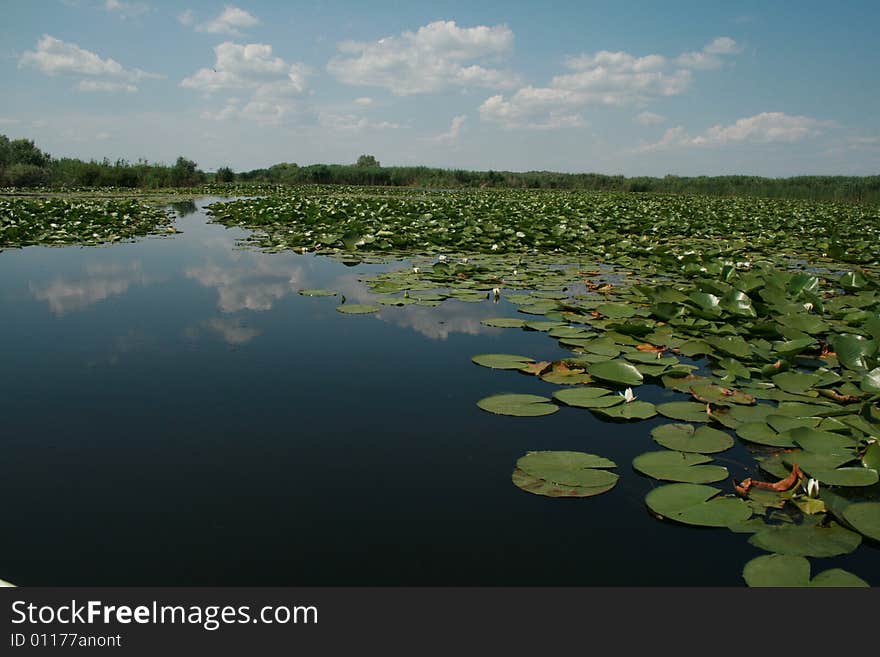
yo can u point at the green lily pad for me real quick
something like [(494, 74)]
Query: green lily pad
[(683, 438), (696, 504), (846, 476), (686, 411), (636, 410), (503, 322), (795, 381), (616, 371), (762, 433), (587, 397), (564, 474), (784, 570), (357, 309), (502, 361), (318, 293), (518, 405), (807, 540), (679, 466)]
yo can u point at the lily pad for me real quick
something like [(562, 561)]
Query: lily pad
[(696, 504), (686, 411), (807, 540), (564, 474), (503, 322), (616, 371), (357, 309), (502, 361), (318, 293), (683, 438), (518, 405), (679, 466), (784, 570), (587, 397), (636, 410)]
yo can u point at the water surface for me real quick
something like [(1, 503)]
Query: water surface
[(174, 413)]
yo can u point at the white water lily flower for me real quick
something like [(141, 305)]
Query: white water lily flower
[(496, 293), (415, 270), (515, 272), (808, 307), (813, 488), (441, 258), (494, 247), (627, 395)]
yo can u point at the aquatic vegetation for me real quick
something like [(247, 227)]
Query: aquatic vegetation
[(60, 221)]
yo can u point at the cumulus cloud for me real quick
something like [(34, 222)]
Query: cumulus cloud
[(252, 67), (231, 21), (609, 78), (351, 122), (454, 130), (648, 118), (106, 86), (126, 9), (434, 58), (711, 55), (56, 57), (186, 17), (363, 101), (767, 127)]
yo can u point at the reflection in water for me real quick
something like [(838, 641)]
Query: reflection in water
[(184, 208), (230, 329), (101, 282), (255, 282)]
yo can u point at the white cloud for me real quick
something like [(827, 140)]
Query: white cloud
[(126, 9), (350, 122), (56, 57), (186, 17), (767, 127), (238, 66), (106, 86), (364, 101), (648, 118), (436, 57), (232, 20), (710, 56), (273, 82), (603, 78), (454, 130)]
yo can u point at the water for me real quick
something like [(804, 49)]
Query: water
[(174, 413)]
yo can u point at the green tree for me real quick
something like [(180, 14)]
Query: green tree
[(367, 161), (225, 175)]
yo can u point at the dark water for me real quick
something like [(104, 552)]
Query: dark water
[(173, 412)]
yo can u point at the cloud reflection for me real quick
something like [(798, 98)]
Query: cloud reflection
[(101, 282)]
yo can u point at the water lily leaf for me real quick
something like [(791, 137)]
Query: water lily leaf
[(318, 293), (811, 462), (503, 322), (683, 438), (737, 303), (686, 411), (616, 371), (807, 540), (846, 476), (518, 405), (853, 351), (864, 517), (815, 440), (502, 361), (616, 310), (730, 345), (785, 422), (784, 570), (564, 474), (587, 397), (871, 381), (357, 309), (709, 393), (696, 504), (679, 466), (636, 410), (762, 433), (795, 381)]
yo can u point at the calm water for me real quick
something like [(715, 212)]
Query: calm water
[(175, 413)]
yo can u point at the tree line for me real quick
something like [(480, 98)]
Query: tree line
[(23, 164)]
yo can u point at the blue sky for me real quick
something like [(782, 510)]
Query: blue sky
[(638, 88)]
